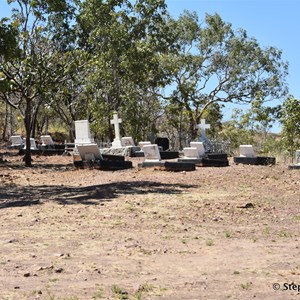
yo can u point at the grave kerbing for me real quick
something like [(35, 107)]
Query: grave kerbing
[(248, 157)]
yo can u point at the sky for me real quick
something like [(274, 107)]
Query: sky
[(272, 22)]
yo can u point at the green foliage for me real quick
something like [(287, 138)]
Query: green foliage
[(290, 120), (217, 64), (75, 59)]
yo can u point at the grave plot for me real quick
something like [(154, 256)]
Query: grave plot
[(153, 159), (89, 156), (45, 147), (196, 154), (248, 157), (163, 148)]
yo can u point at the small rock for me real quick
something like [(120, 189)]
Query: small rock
[(27, 274), (58, 270), (247, 205)]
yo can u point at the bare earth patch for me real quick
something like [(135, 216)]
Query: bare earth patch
[(215, 233)]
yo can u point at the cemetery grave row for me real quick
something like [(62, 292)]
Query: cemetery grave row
[(86, 152)]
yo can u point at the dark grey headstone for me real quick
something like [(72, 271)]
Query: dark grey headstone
[(163, 142)]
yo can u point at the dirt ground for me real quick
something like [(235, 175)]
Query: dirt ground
[(214, 233)]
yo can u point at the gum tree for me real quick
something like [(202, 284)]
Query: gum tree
[(124, 39), (290, 120), (38, 64), (217, 64)]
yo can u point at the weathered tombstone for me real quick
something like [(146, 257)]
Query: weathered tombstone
[(127, 141), (297, 162), (32, 144), (139, 152), (151, 153), (89, 152), (200, 148), (152, 156), (16, 141), (142, 144), (190, 152), (117, 140), (246, 151), (194, 153), (47, 140), (248, 157), (82, 132)]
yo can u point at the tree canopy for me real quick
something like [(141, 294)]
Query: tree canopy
[(86, 59)]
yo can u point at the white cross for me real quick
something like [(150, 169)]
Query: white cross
[(116, 121), (203, 127)]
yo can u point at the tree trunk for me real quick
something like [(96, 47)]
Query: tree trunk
[(5, 122), (11, 122), (27, 123)]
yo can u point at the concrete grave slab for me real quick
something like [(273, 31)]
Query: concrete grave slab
[(89, 152)]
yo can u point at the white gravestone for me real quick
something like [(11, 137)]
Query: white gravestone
[(46, 140), (203, 126), (203, 138), (82, 133), (142, 144), (298, 157), (117, 140), (32, 144), (127, 141), (16, 140), (200, 148), (89, 152), (151, 153), (190, 152), (246, 151)]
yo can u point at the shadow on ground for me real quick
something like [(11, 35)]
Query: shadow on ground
[(14, 195)]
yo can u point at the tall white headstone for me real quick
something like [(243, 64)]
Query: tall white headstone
[(82, 133), (117, 140)]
